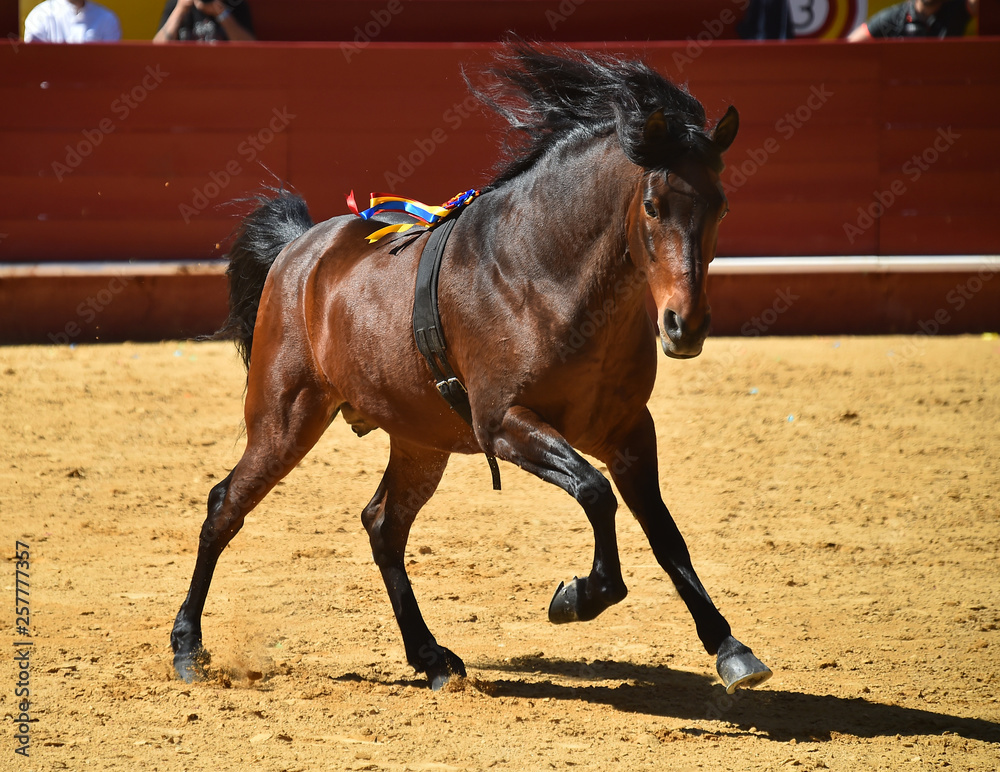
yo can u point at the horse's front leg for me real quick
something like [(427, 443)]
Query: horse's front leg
[(526, 440), (633, 466)]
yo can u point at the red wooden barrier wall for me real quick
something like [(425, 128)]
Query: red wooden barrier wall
[(461, 20), (126, 151)]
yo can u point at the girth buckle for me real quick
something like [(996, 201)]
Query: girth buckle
[(451, 388)]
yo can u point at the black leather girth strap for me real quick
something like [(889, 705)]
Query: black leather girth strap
[(429, 335)]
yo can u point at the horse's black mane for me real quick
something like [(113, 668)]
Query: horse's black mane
[(546, 97)]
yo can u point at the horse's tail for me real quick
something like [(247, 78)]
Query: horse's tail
[(277, 218)]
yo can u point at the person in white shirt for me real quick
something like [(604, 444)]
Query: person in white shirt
[(71, 21)]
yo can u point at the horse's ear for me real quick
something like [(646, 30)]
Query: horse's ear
[(725, 129), (655, 130)]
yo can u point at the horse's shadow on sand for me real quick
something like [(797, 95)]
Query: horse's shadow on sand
[(780, 715)]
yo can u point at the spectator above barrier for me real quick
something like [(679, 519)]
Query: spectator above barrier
[(71, 21)]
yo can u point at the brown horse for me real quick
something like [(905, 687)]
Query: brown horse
[(610, 190)]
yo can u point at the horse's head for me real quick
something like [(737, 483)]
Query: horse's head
[(673, 225)]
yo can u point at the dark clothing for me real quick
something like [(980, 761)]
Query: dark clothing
[(902, 21), (203, 28), (767, 20)]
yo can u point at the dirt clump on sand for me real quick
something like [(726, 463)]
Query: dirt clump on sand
[(839, 498)]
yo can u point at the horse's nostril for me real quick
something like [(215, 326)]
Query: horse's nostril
[(672, 326)]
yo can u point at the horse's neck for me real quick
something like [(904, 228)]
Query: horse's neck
[(570, 210)]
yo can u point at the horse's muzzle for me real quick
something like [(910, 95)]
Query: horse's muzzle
[(679, 339)]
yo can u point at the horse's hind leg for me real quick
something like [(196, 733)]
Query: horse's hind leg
[(411, 477), (633, 466), (284, 420)]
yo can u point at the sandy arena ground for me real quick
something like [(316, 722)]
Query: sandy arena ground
[(839, 497)]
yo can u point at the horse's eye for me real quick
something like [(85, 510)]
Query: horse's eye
[(650, 209), (724, 213)]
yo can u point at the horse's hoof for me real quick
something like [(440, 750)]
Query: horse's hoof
[(738, 667), (441, 664), (190, 666), (438, 682), (580, 601), (441, 677), (563, 607)]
